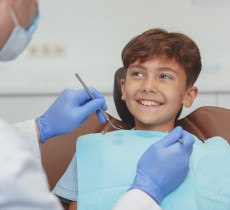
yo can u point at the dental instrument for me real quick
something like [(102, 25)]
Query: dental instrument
[(117, 127)]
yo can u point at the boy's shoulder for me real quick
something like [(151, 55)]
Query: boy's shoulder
[(216, 142), (210, 151)]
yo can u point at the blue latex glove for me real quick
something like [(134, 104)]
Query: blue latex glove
[(164, 165), (70, 109)]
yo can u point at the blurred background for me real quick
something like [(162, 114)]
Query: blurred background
[(87, 37)]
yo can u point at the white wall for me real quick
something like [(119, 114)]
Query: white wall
[(88, 36)]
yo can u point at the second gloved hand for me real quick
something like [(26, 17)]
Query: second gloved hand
[(164, 165), (70, 109)]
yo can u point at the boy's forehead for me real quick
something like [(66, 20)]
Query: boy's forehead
[(158, 61)]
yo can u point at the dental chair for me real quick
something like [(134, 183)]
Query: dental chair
[(205, 122)]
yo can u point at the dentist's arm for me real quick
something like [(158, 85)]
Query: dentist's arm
[(161, 169)]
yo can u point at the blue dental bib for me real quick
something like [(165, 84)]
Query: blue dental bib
[(106, 167)]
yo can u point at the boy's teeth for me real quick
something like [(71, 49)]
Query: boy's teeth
[(149, 103)]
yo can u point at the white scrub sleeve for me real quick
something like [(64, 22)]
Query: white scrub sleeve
[(136, 200), (23, 184), (28, 133)]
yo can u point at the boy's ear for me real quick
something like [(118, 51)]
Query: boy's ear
[(122, 82), (190, 96)]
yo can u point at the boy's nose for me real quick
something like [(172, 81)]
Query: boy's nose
[(150, 85)]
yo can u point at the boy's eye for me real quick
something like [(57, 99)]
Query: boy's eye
[(137, 74), (165, 76)]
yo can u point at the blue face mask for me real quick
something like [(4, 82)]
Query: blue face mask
[(18, 40)]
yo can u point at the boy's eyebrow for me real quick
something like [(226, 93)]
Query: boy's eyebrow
[(137, 66), (167, 69), (164, 68)]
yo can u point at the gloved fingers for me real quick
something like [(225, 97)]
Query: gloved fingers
[(92, 106), (172, 137), (98, 95), (100, 116), (187, 139), (81, 96)]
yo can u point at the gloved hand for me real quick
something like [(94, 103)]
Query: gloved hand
[(164, 165), (70, 109)]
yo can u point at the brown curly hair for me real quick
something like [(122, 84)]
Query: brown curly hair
[(159, 42)]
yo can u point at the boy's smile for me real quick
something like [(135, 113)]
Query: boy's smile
[(155, 91)]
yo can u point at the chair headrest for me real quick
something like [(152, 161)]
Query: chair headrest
[(121, 107)]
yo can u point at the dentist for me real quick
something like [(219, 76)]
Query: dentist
[(23, 184)]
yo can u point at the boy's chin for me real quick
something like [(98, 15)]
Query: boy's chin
[(150, 124), (145, 125)]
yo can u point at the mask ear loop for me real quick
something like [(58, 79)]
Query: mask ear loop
[(14, 17)]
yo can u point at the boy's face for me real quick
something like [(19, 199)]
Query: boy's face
[(154, 92)]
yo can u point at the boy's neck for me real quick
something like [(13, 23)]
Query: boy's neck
[(163, 128)]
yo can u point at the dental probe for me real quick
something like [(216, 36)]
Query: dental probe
[(101, 110)]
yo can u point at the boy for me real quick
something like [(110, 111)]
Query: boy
[(161, 69)]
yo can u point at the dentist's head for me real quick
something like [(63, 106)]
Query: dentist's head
[(18, 21)]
